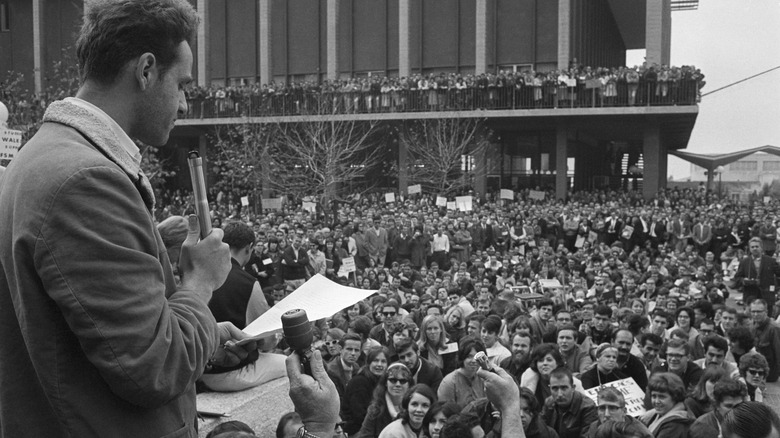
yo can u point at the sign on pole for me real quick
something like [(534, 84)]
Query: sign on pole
[(10, 142), (507, 194), (417, 188), (441, 201)]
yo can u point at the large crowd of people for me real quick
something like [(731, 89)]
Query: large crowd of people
[(575, 87), (677, 293)]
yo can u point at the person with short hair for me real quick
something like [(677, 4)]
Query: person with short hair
[(414, 406), (577, 361), (495, 350), (757, 275), (715, 350), (678, 361), (668, 418), (650, 346), (753, 367), (423, 371), (727, 394), (767, 335), (751, 420), (462, 386), (611, 408), (567, 411), (341, 368)]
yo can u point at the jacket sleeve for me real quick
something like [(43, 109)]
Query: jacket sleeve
[(98, 261)]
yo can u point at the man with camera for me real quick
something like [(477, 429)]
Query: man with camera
[(757, 275)]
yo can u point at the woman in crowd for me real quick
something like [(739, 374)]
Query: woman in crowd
[(357, 395), (701, 400), (684, 320), (332, 254), (331, 347), (462, 386), (414, 406), (753, 367), (386, 401), (342, 319), (544, 359), (400, 332), (605, 370), (433, 344), (436, 417), (455, 323), (668, 418)]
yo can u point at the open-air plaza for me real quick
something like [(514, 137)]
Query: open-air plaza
[(388, 218)]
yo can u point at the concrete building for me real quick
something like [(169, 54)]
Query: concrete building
[(740, 177), (259, 41)]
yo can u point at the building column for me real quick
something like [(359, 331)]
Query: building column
[(403, 168), (651, 153), (481, 38), (564, 33), (561, 155), (38, 63), (658, 31), (203, 44), (264, 41), (404, 44), (333, 40), (203, 152)]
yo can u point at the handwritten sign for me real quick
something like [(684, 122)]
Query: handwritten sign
[(465, 203), (309, 206), (452, 205), (441, 201), (507, 194), (417, 188), (245, 201), (389, 197), (272, 203), (536, 194), (347, 266), (10, 142), (635, 397)]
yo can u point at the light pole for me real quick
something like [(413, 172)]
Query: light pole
[(720, 170)]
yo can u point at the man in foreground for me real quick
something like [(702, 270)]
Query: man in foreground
[(97, 338)]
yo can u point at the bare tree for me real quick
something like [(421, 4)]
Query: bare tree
[(436, 148)]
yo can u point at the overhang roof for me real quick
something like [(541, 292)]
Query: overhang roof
[(711, 161)]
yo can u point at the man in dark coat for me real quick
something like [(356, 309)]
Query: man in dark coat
[(422, 370), (757, 275)]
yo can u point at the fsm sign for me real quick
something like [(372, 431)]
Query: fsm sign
[(10, 142)]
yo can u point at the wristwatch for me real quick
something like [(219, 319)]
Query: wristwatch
[(303, 433)]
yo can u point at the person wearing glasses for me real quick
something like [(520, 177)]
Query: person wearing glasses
[(381, 332), (767, 335), (386, 401), (611, 406), (753, 367)]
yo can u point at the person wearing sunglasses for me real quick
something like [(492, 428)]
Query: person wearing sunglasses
[(386, 402), (753, 367)]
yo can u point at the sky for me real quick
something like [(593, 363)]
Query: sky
[(729, 41)]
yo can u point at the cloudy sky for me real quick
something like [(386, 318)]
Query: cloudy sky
[(730, 41)]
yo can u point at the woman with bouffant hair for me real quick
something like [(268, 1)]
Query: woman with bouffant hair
[(669, 418)]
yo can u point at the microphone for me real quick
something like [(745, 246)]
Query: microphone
[(199, 192)]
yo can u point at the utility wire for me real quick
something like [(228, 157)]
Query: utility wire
[(740, 81)]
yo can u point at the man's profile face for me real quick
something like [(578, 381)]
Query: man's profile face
[(472, 327), (163, 99), (408, 357), (728, 320)]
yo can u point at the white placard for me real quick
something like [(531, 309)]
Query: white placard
[(347, 266), (507, 194), (465, 203), (441, 201), (10, 142), (417, 188), (635, 397), (319, 297), (272, 203), (452, 205), (309, 206), (389, 197), (245, 201), (536, 194)]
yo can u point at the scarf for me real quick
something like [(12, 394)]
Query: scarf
[(94, 130), (391, 406)]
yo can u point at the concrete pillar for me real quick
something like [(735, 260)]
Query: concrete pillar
[(333, 40), (403, 168), (561, 154), (651, 152), (203, 151), (404, 44), (564, 33), (203, 44), (38, 63), (264, 43), (658, 31), (481, 37)]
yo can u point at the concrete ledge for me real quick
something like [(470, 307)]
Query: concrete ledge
[(259, 407)]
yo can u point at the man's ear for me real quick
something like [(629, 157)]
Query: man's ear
[(146, 70)]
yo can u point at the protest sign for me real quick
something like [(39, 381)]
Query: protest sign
[(309, 206), (245, 201), (536, 194), (465, 203), (272, 203), (417, 188), (452, 205), (319, 297), (441, 201), (347, 266), (507, 194), (580, 242), (635, 397), (10, 142), (389, 197)]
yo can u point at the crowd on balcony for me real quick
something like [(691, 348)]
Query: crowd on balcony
[(576, 87)]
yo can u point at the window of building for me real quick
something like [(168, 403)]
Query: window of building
[(5, 19), (771, 165), (744, 166)]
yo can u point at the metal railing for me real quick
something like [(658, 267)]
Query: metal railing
[(587, 94)]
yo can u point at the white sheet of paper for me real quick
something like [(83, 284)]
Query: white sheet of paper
[(245, 201), (507, 194), (417, 188), (441, 201), (319, 297), (389, 197)]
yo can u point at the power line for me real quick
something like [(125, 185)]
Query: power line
[(740, 81)]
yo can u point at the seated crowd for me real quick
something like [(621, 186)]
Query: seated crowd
[(642, 296), (577, 86)]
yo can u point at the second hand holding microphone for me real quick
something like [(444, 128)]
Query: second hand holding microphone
[(199, 192), (299, 336)]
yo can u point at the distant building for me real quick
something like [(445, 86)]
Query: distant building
[(744, 176)]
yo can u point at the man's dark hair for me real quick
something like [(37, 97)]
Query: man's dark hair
[(407, 344), (726, 387), (716, 342), (749, 419), (459, 426), (350, 337), (492, 324), (238, 235), (742, 336), (652, 337), (115, 32), (468, 343), (618, 331), (286, 418), (603, 310), (562, 372), (705, 307), (636, 323)]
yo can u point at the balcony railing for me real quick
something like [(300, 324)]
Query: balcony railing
[(587, 94)]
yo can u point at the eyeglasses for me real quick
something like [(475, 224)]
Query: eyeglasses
[(388, 314), (397, 381), (563, 319), (757, 373), (674, 356), (331, 343)]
